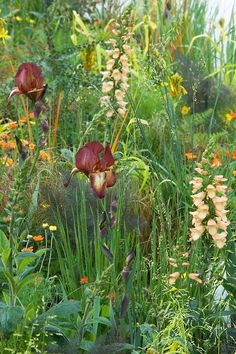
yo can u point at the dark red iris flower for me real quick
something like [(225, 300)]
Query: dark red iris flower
[(96, 168), (30, 82)]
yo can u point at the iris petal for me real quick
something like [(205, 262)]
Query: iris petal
[(107, 160), (110, 178), (98, 183), (87, 157)]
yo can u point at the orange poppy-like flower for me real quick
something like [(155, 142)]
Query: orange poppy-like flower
[(83, 280), (190, 156), (12, 125), (27, 249), (38, 238), (234, 155), (44, 156)]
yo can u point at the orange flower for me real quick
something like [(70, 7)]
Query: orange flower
[(3, 144), (13, 125), (11, 145), (23, 120), (216, 162), (4, 136), (190, 156), (44, 156), (230, 116), (38, 238), (83, 280), (27, 249), (31, 146), (234, 155), (234, 173), (36, 279)]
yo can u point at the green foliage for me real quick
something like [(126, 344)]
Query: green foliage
[(96, 278)]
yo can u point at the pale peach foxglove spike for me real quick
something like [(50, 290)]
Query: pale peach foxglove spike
[(198, 198), (211, 191), (197, 232), (212, 227), (173, 277), (107, 86), (196, 277), (220, 178)]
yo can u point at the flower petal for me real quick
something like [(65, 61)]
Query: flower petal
[(110, 178), (75, 170), (107, 160), (14, 92), (98, 183), (29, 77), (87, 159)]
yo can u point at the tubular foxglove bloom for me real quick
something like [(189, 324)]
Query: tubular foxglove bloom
[(96, 168), (30, 82)]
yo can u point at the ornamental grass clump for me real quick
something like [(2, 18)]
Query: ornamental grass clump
[(209, 200)]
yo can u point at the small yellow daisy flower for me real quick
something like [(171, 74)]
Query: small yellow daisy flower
[(185, 110), (52, 228), (45, 225)]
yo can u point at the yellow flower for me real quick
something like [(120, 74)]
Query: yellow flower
[(52, 228), (45, 205), (176, 89), (18, 18), (89, 58), (185, 110), (44, 156), (31, 146), (3, 33), (230, 116), (6, 161), (45, 225)]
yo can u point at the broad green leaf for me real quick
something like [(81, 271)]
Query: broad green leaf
[(23, 259), (4, 242), (23, 282), (10, 318)]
